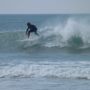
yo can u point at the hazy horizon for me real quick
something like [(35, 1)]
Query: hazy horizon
[(44, 6)]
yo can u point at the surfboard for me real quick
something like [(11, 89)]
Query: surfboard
[(35, 38), (25, 40)]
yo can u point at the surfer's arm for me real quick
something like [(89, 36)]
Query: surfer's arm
[(27, 31)]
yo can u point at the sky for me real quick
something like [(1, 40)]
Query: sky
[(44, 6)]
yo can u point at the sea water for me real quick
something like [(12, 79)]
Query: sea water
[(57, 59)]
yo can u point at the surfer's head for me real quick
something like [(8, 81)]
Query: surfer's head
[(28, 24)]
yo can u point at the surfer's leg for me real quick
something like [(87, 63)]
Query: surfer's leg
[(29, 34), (36, 33)]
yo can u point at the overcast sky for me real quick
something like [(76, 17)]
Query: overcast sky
[(44, 6)]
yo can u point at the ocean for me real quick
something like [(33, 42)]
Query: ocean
[(57, 59)]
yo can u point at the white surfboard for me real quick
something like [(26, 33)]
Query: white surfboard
[(30, 39)]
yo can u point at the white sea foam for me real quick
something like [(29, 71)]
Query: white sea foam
[(70, 70)]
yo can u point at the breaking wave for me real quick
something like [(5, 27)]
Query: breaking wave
[(62, 70), (74, 33)]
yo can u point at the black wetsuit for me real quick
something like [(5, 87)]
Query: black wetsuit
[(31, 28)]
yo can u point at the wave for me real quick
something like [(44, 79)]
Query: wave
[(62, 70), (74, 33)]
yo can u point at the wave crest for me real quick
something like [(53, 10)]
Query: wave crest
[(73, 33)]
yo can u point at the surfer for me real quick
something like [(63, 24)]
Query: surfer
[(31, 28)]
